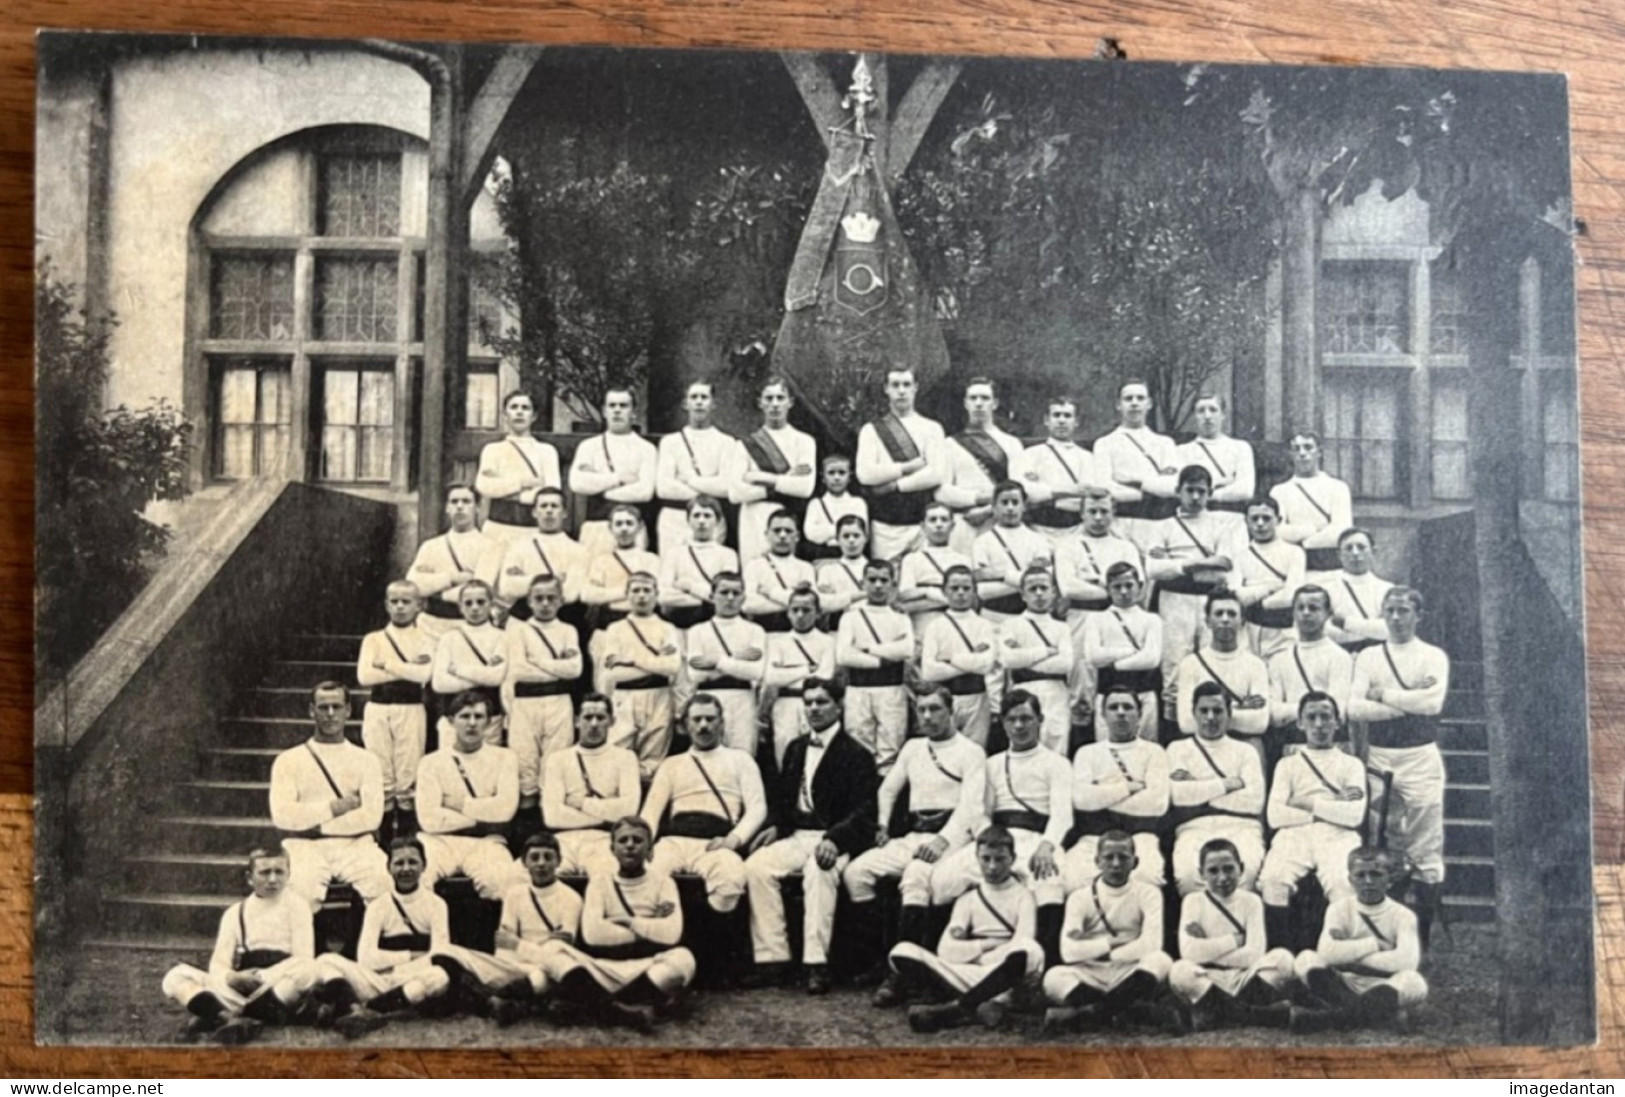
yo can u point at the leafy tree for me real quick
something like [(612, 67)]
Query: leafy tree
[(97, 471)]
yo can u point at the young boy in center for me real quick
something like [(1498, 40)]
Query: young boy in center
[(394, 665), (1225, 971), (988, 950), (537, 917), (827, 509), (263, 965), (544, 670)]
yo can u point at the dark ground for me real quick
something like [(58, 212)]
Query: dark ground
[(97, 996)]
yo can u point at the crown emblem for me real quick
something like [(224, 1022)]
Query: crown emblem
[(860, 228)]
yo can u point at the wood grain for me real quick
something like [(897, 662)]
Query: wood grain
[(1583, 40)]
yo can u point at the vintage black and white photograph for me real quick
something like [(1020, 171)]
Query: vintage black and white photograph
[(555, 546)]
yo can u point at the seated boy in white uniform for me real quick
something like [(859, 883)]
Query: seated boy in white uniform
[(1226, 971), (1111, 944), (537, 917), (264, 960), (988, 950), (1363, 971), (629, 968)]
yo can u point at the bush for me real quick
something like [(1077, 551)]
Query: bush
[(96, 472)]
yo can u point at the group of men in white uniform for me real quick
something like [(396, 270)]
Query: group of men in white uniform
[(973, 577)]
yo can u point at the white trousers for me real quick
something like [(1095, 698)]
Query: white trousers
[(396, 734), (537, 727), (1416, 808), (1191, 980), (889, 542), (789, 718), (314, 863), (586, 852), (1101, 975), (290, 980), (959, 871), (420, 978), (1078, 863), (1412, 988), (877, 717), (1318, 847), (669, 971), (895, 858), (769, 932), (960, 978), (486, 861), (721, 869), (1247, 834), (643, 726)]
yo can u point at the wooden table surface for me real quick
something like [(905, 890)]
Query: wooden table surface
[(1583, 40)]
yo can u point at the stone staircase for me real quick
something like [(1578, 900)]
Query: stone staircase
[(1469, 829), (176, 885)]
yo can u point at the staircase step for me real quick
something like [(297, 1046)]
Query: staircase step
[(280, 732), (1467, 767), (1468, 802), (227, 797), (195, 947), (307, 673), (1466, 675), (1469, 838), (187, 873), (173, 914), (239, 763), (290, 702), (325, 646), (221, 834), (1469, 876), (1467, 704), (1467, 909), (1463, 733)]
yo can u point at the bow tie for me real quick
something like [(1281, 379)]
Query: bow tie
[(819, 741)]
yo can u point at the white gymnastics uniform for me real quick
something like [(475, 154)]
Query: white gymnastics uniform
[(604, 784), (323, 847)]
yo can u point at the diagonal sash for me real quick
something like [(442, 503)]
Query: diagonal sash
[(1094, 892), (1269, 567), (1213, 674), (1135, 442), (1213, 460), (1009, 926), (1197, 740), (1205, 551), (411, 926), (542, 636), (1010, 783), (332, 784), (931, 749), (805, 654), (540, 913), (586, 778), (1042, 639), (1124, 626), (1060, 460), (856, 582), (727, 812), (932, 560), (1316, 771), (985, 452), (717, 631), (642, 639), (463, 773), (541, 552), (969, 647), (706, 575), (1388, 655), (894, 436), (1366, 918), (1302, 673), (1229, 916), (523, 457), (455, 561), (616, 553), (765, 452), (401, 655), (1357, 603), (871, 625), (609, 461), (472, 646), (1324, 513), (1005, 545), (621, 895)]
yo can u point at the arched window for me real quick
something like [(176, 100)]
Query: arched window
[(306, 311)]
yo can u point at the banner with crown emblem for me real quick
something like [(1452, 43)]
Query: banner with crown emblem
[(854, 303)]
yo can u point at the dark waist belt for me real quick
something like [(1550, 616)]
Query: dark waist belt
[(1089, 605), (696, 824), (439, 607), (1096, 823), (929, 822), (686, 617), (648, 681), (777, 621), (1322, 559), (789, 693), (510, 513), (1005, 603), (1148, 507), (1407, 731), (256, 959), (599, 506), (890, 674), (542, 689), (900, 508), (481, 831), (1022, 820), (725, 682), (405, 942), (1178, 817), (1237, 507), (1185, 584), (966, 685), (820, 552), (632, 950), (1256, 614), (1051, 516), (398, 692), (1025, 675), (1135, 681)]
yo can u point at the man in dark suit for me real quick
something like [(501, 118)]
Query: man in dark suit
[(821, 814)]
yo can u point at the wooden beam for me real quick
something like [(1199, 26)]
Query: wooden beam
[(915, 112), (817, 90), (488, 110)]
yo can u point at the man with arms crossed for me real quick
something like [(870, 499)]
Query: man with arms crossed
[(902, 460)]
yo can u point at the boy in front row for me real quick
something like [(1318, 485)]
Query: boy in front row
[(263, 965), (1363, 971), (1111, 944), (1224, 971), (987, 951)]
